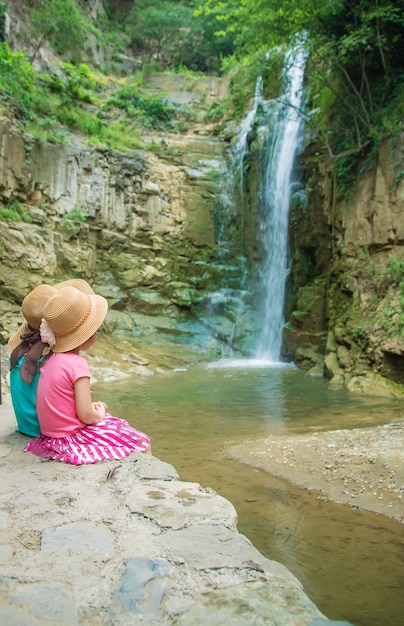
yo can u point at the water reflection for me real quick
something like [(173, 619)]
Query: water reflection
[(350, 563)]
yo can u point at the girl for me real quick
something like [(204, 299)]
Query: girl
[(28, 352), (73, 428)]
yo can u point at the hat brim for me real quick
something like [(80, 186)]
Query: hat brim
[(98, 312), (15, 339), (80, 284)]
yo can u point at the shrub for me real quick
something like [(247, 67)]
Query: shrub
[(16, 78), (136, 104), (75, 215), (15, 213)]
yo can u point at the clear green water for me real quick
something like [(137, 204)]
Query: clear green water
[(351, 564)]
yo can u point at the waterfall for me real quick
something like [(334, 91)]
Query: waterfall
[(233, 173), (241, 144), (223, 311), (279, 144), (274, 126)]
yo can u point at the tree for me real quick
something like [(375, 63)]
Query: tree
[(158, 26), (61, 23), (169, 32), (356, 61), (355, 51)]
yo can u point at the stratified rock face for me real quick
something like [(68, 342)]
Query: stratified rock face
[(138, 226), (348, 275), (147, 232)]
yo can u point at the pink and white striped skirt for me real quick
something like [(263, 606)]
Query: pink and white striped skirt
[(113, 438)]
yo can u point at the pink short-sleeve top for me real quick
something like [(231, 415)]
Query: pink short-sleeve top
[(56, 405)]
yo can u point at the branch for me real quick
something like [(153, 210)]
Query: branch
[(37, 49), (345, 153), (307, 118), (365, 120), (356, 92), (369, 92), (358, 131), (386, 71)]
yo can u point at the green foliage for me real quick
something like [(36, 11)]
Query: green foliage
[(154, 25), (48, 129), (364, 63), (207, 50), (50, 105), (76, 215), (345, 170), (398, 176), (80, 84), (135, 104), (61, 23), (243, 75), (356, 56), (70, 228), (265, 23), (117, 135), (15, 213), (172, 34), (361, 336), (243, 78), (356, 64), (183, 70), (114, 134), (396, 272), (354, 83), (77, 87), (3, 11), (392, 322), (216, 112), (16, 78), (116, 41), (109, 10)]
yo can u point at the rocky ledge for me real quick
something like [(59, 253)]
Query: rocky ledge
[(128, 543)]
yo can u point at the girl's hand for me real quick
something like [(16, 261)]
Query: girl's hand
[(99, 403), (100, 409), (87, 411)]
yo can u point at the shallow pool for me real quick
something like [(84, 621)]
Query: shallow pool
[(351, 564)]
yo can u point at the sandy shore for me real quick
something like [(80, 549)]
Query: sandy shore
[(363, 468)]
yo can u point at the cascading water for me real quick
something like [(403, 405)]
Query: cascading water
[(275, 126), (279, 144), (241, 144), (233, 174), (228, 302)]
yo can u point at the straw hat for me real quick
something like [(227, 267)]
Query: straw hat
[(79, 283), (33, 305), (74, 317)]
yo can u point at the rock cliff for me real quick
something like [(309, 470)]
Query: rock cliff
[(151, 230), (345, 290), (139, 226), (348, 274)]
